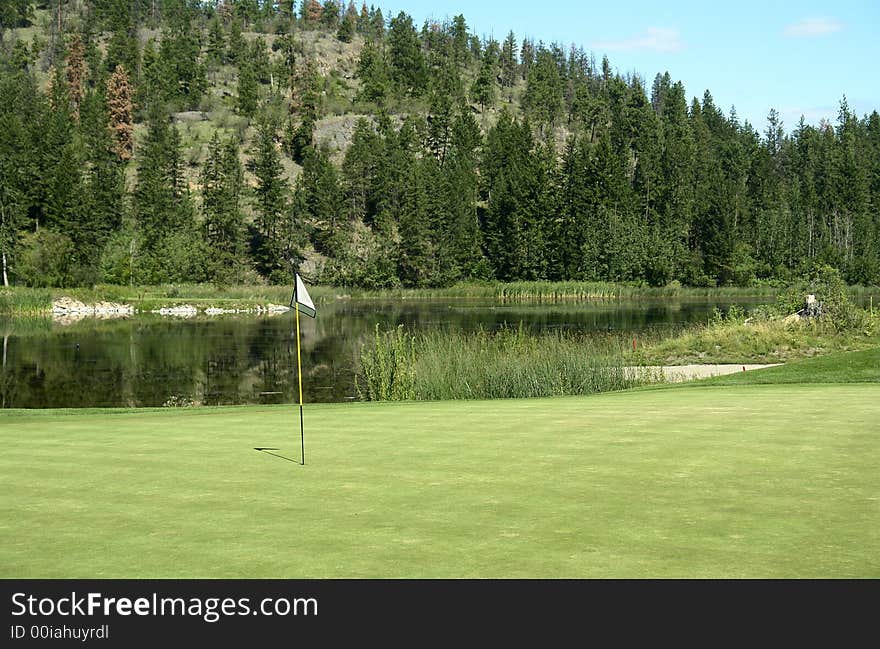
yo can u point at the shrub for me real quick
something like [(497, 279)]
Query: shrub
[(387, 367), (826, 283), (45, 259)]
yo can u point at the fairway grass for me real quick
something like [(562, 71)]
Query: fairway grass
[(714, 482)]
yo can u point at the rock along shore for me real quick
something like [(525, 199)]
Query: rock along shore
[(66, 310)]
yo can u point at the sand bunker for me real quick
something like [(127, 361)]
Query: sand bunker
[(679, 373)]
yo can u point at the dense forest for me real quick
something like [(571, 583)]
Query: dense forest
[(148, 141)]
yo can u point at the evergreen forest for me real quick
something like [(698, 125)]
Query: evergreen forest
[(236, 141)]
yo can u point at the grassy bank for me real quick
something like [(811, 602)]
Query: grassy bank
[(759, 341), (510, 363), (34, 301), (848, 367), (745, 481), (30, 301)]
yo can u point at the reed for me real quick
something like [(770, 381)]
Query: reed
[(25, 301), (388, 367), (553, 292), (502, 364)]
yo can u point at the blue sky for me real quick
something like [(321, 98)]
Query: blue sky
[(797, 57)]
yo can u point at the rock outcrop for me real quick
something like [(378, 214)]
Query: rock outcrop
[(66, 309)]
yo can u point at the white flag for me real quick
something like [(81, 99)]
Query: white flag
[(301, 299)]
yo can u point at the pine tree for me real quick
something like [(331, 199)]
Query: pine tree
[(377, 23), (330, 14), (675, 196), (179, 64), (105, 187), (348, 24), (359, 172), (459, 34), (407, 62), (161, 201), (509, 67), (20, 114), (271, 205), (120, 108), (222, 181), (374, 74), (76, 73), (322, 200), (543, 97), (236, 45), (311, 11), (123, 46), (62, 157), (526, 57), (216, 49), (483, 90), (258, 57), (153, 85), (515, 188), (462, 256), (304, 109), (415, 263), (363, 23), (247, 96)]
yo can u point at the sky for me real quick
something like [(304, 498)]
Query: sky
[(799, 57)]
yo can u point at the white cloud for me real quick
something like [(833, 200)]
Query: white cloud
[(813, 27), (654, 39), (791, 115)]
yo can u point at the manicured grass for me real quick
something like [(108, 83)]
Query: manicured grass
[(740, 481), (847, 367)]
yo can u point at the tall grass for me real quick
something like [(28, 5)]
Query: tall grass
[(388, 367), (25, 301), (549, 292), (736, 339), (508, 363)]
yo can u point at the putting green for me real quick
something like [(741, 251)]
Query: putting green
[(738, 481)]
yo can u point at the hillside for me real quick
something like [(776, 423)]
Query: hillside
[(336, 62), (234, 141)]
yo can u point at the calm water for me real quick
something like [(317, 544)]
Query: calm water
[(152, 361)]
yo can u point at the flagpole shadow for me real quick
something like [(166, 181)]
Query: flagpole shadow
[(268, 451)]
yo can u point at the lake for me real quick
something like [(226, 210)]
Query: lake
[(147, 361)]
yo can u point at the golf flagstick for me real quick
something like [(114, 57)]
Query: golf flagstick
[(301, 301), (299, 374)]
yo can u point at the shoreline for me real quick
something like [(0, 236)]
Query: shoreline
[(66, 310), (23, 301)]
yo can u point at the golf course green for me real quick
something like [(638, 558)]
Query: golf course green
[(702, 481)]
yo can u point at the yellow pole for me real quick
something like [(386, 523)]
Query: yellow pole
[(299, 374)]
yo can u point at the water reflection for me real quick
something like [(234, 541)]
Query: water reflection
[(153, 361)]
